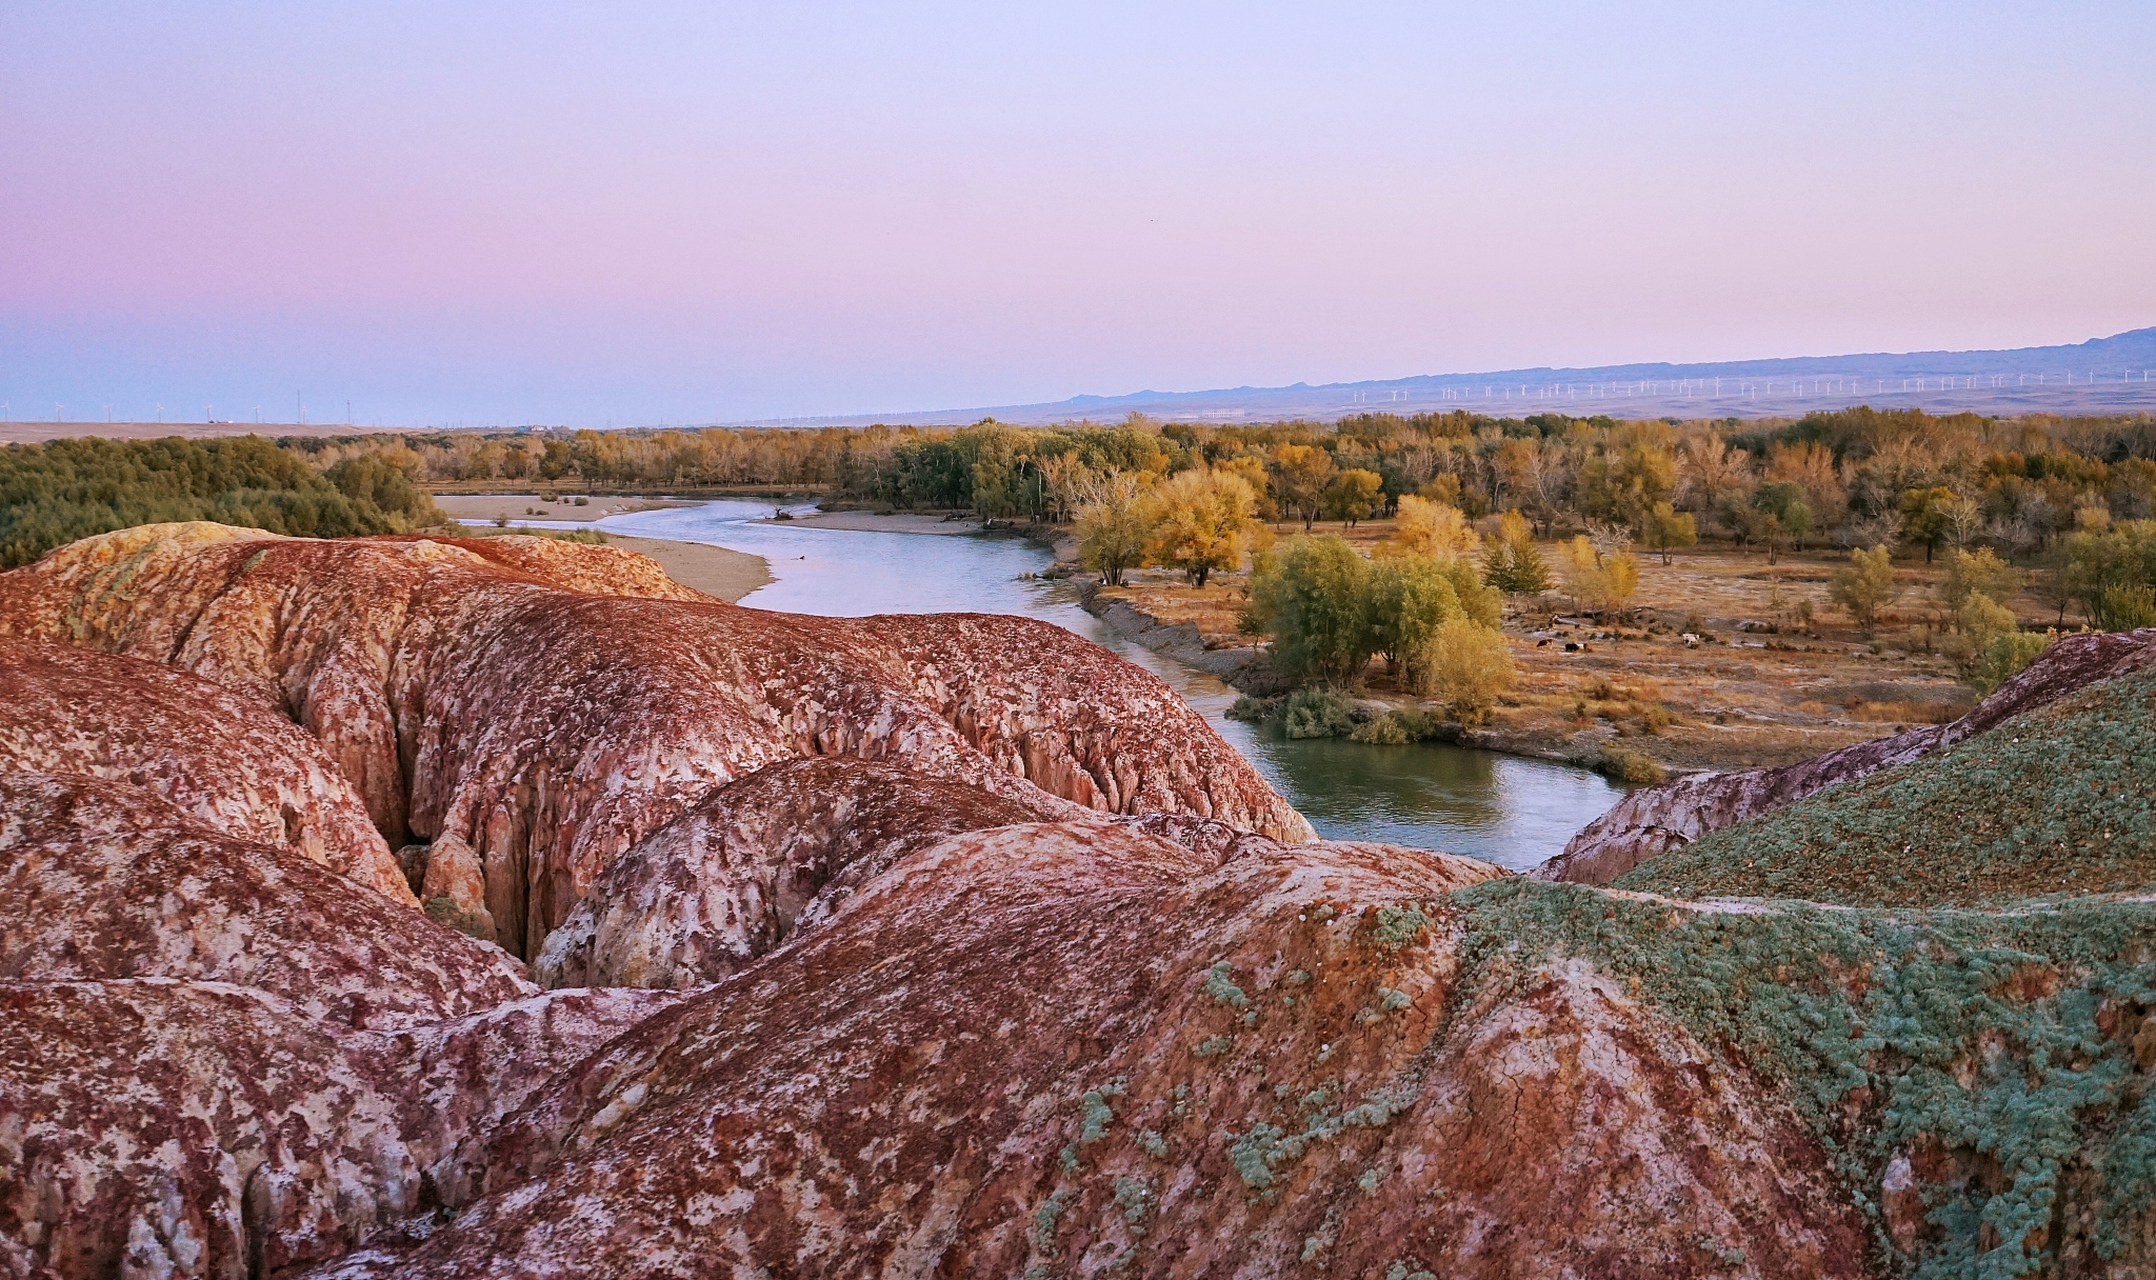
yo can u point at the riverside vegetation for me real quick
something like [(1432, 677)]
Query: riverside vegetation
[(1644, 531)]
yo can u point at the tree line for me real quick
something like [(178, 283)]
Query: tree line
[(61, 490)]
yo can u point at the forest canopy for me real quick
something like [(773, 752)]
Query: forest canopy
[(56, 492)]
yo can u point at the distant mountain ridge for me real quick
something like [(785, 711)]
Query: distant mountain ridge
[(2102, 375)]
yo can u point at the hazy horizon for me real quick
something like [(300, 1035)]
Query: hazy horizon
[(691, 214)]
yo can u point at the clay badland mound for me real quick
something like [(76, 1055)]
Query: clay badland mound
[(985, 958)]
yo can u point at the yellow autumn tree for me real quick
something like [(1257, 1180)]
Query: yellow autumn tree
[(1433, 529), (1200, 522)]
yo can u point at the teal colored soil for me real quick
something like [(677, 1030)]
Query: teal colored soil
[(2060, 800)]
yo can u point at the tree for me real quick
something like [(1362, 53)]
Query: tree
[(1865, 587), (1664, 529), (1783, 511), (1978, 573), (1410, 597), (1354, 495), (2114, 557), (1113, 524), (1469, 665), (1434, 529), (1511, 562), (1602, 579), (1310, 599), (1925, 518), (2008, 656), (1300, 473), (1201, 521)]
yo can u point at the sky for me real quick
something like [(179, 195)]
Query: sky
[(447, 212)]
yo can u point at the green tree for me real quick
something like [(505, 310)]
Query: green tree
[(1511, 562), (1410, 597), (1664, 529), (1113, 525), (2008, 655), (1928, 517), (1783, 512), (1311, 600), (1865, 587), (1353, 495), (1978, 572), (2107, 558)]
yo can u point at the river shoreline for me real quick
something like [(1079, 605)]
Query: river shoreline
[(719, 572)]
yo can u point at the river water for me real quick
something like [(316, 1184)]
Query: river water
[(1508, 810)]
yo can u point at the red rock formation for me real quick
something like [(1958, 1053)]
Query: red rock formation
[(103, 880), (733, 877), (251, 776), (536, 732), (1086, 1049), (153, 1127), (1003, 968), (1656, 819)]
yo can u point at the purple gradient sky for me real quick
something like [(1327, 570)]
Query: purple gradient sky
[(690, 212)]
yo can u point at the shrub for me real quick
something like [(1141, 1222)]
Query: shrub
[(1469, 666), (1865, 587), (1251, 710), (1384, 731), (1397, 726), (2126, 609), (2006, 657), (1598, 579), (1317, 713), (1629, 766)]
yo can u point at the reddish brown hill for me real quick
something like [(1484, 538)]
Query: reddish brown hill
[(216, 755), (534, 732), (103, 880), (735, 875), (162, 1128), (1091, 1051)]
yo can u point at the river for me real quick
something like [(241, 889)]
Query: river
[(1508, 810)]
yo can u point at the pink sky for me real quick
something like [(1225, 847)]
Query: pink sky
[(698, 213)]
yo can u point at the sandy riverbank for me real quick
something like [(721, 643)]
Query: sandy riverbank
[(530, 506), (715, 571), (870, 522)]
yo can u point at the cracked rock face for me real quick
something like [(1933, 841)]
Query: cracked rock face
[(209, 752), (1670, 815)]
